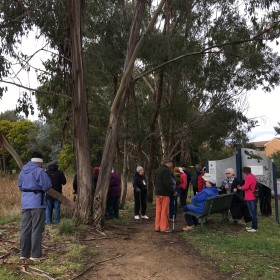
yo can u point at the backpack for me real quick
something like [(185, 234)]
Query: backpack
[(256, 190)]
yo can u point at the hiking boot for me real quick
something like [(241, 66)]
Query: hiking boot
[(144, 217), (252, 230), (136, 217), (187, 228)]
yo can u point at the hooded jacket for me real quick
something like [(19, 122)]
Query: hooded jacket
[(57, 177), (32, 182), (199, 200)]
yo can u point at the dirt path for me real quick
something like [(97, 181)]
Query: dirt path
[(145, 254)]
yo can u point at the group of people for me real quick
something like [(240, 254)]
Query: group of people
[(170, 184), (244, 203)]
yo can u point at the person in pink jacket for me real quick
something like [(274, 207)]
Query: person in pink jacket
[(249, 187)]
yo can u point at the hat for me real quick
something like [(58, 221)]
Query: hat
[(211, 180), (96, 170), (37, 157), (166, 160), (206, 176)]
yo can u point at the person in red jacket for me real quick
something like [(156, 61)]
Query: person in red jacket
[(251, 201), (183, 187)]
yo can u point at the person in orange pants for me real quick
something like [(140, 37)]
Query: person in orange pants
[(163, 189)]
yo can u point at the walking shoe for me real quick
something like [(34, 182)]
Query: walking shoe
[(144, 217), (136, 217), (37, 259), (187, 228), (167, 231), (23, 258), (248, 228), (252, 230)]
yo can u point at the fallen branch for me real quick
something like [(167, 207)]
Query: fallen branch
[(94, 264), (5, 256), (273, 267), (43, 273)]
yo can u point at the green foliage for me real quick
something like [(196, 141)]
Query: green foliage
[(10, 115), (276, 159), (66, 159), (67, 226), (21, 135)]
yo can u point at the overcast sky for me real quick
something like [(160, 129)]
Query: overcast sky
[(263, 106)]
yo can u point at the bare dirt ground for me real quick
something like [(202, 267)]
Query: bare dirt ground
[(136, 252)]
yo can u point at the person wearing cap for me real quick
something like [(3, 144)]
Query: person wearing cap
[(163, 190), (58, 179), (140, 194), (33, 183), (199, 200), (251, 201)]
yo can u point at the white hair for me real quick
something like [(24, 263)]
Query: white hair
[(231, 170), (139, 168)]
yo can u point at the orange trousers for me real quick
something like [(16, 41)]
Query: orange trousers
[(162, 212)]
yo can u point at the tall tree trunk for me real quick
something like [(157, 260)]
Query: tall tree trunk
[(157, 94), (116, 110), (83, 209), (124, 174)]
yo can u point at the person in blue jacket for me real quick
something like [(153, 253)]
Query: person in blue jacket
[(199, 200), (33, 183)]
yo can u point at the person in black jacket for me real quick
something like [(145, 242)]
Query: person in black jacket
[(238, 208), (58, 179), (140, 194)]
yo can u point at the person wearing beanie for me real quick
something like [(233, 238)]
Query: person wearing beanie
[(140, 194), (96, 171), (199, 200), (33, 183), (58, 179)]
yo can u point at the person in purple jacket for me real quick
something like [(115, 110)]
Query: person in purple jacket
[(114, 193), (33, 183)]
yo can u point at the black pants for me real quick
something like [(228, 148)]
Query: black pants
[(140, 202), (183, 198), (113, 207), (265, 200), (191, 220)]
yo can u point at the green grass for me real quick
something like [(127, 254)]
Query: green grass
[(10, 219), (246, 255)]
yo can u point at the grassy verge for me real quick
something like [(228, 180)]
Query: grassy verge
[(67, 254), (246, 255)]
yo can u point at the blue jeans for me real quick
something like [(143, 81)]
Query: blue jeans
[(52, 204), (252, 206)]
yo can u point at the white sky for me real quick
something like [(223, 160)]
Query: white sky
[(263, 106)]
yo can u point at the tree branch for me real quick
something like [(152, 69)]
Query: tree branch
[(36, 90), (203, 51)]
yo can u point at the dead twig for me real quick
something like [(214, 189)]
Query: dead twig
[(101, 232), (273, 267), (43, 273), (96, 263), (5, 256)]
